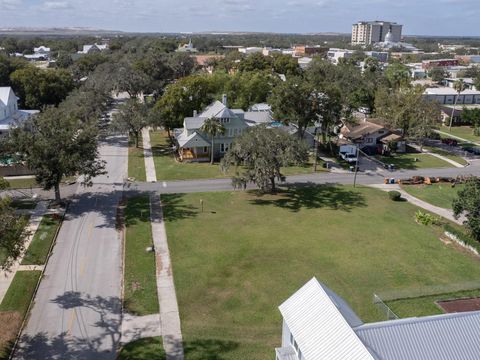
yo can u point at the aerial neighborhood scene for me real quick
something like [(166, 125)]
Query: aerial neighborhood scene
[(223, 180)]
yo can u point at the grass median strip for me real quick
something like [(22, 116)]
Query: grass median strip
[(136, 161), (14, 306), (37, 252), (143, 349), (140, 280)]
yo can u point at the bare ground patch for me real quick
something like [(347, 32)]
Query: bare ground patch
[(460, 305), (11, 321)]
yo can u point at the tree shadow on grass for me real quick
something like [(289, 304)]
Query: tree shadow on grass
[(311, 196), (208, 349), (175, 208)]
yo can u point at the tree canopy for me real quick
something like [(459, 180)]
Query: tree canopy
[(132, 117), (259, 154), (468, 203), (12, 233), (56, 144)]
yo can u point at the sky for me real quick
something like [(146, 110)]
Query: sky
[(419, 17)]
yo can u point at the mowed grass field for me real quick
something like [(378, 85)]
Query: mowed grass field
[(464, 132), (236, 262), (413, 161), (441, 195), (168, 169)]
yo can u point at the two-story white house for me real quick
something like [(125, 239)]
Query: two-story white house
[(194, 145), (9, 112)]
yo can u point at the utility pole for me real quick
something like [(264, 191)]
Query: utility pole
[(356, 168)]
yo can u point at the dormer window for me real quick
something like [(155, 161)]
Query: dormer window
[(224, 120)]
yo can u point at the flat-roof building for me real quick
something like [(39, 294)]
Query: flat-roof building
[(371, 32)]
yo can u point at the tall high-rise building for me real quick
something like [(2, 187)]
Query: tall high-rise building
[(371, 32)]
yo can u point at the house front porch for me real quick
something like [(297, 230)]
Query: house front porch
[(195, 154)]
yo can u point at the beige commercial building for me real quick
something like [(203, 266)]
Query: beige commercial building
[(371, 32)]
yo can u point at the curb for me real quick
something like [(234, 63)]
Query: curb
[(32, 300)]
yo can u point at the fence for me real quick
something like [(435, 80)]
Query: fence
[(389, 314), (428, 290)]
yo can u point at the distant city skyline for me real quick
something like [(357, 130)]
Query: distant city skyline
[(430, 17)]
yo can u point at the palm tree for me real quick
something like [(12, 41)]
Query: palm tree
[(212, 127), (459, 86)]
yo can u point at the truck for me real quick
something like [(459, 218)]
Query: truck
[(348, 153)]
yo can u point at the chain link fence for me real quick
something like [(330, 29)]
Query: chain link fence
[(389, 314)]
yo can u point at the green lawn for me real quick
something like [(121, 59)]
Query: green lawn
[(37, 252), (407, 161), (24, 204), (465, 132), (32, 183), (425, 305), (136, 161), (143, 349), (14, 307), (140, 282), (23, 183), (441, 195), (236, 262), (448, 155), (168, 169)]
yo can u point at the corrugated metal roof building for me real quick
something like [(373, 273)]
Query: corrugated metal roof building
[(319, 324)]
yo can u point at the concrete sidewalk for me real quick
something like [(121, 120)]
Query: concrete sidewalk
[(139, 327), (445, 213), (6, 277), (148, 156), (169, 314)]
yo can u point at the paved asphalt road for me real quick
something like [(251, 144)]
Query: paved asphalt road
[(77, 311), (187, 186)]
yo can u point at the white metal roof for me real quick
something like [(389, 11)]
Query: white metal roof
[(5, 93), (194, 140), (449, 91), (217, 109), (318, 326), (440, 337)]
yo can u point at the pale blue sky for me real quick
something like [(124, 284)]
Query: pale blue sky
[(426, 17)]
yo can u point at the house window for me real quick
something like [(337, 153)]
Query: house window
[(224, 120), (223, 147), (205, 149), (231, 132)]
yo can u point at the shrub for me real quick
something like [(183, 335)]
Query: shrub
[(426, 218), (395, 195), (461, 236)]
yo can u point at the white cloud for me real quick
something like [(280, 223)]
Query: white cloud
[(56, 5), (11, 4)]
